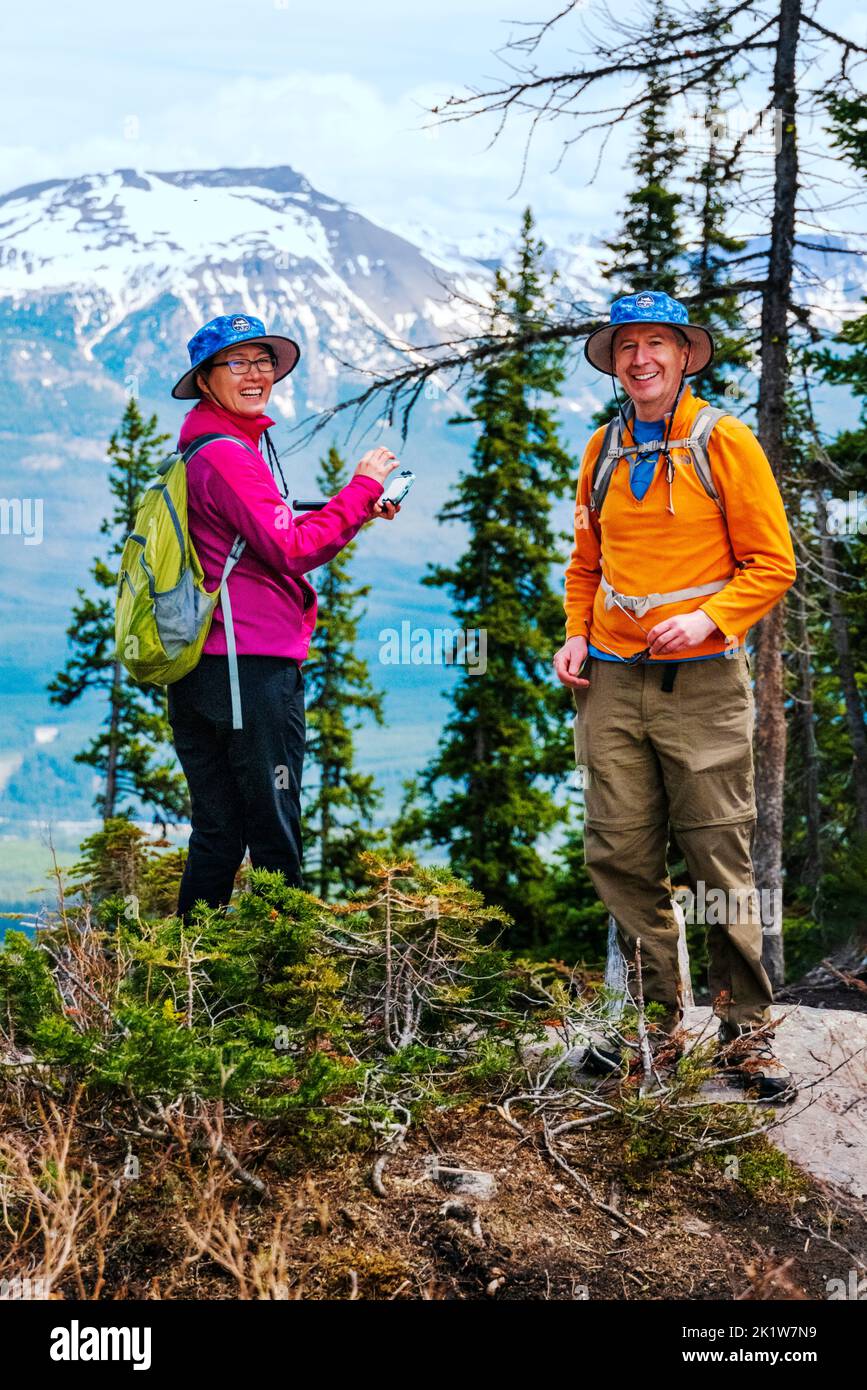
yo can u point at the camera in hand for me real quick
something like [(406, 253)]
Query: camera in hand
[(397, 487), (395, 491)]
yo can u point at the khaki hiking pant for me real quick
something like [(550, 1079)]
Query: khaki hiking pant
[(681, 758)]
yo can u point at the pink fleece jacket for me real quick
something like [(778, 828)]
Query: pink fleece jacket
[(231, 490)]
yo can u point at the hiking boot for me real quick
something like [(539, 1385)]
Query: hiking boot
[(604, 1056), (748, 1056)]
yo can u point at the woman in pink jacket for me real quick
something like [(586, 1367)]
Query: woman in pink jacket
[(245, 782)]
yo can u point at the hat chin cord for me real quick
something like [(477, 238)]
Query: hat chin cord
[(274, 459), (669, 462)]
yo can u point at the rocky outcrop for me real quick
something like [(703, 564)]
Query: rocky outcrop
[(824, 1129)]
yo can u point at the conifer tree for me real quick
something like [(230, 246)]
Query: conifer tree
[(677, 242), (342, 801), (647, 254), (714, 187), (839, 491), (826, 773), (592, 88), (488, 789), (130, 751)]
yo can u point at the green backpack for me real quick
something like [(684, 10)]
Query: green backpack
[(163, 611)]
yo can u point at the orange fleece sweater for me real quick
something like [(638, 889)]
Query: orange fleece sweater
[(642, 548)]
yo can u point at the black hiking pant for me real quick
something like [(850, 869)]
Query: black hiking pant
[(245, 784)]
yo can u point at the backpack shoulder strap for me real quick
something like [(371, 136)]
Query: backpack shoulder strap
[(702, 428), (234, 555), (202, 439), (606, 461), (195, 445), (610, 453)]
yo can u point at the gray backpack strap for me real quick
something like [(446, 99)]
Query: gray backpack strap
[(702, 426), (610, 454), (234, 683)]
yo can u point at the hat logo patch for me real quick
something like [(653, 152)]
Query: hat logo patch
[(240, 325), (644, 301)]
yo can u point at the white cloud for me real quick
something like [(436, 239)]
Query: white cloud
[(41, 463), (341, 93), (8, 764)]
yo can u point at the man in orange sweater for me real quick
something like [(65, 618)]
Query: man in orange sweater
[(678, 552)]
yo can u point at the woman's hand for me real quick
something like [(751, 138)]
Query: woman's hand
[(378, 463), (387, 510)]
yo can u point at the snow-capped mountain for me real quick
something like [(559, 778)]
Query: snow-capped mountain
[(103, 278)]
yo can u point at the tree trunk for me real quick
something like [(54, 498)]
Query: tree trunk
[(770, 711), (806, 720), (770, 738)]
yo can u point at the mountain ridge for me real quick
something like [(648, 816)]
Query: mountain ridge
[(104, 277)]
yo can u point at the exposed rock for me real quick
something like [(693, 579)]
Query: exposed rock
[(824, 1129), (466, 1182)]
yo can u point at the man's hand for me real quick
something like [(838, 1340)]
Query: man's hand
[(569, 660), (676, 634)]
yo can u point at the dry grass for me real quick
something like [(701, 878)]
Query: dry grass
[(57, 1214)]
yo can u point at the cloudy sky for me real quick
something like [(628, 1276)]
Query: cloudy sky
[(339, 91)]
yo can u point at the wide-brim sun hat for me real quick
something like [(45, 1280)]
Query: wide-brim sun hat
[(650, 306), (227, 331)]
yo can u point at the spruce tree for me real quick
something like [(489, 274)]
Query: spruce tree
[(488, 789), (825, 822), (128, 750), (341, 802), (647, 253), (677, 242)]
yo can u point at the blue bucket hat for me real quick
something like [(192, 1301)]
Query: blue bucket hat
[(227, 331), (649, 306)]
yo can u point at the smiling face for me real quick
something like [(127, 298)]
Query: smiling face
[(648, 361), (247, 394)]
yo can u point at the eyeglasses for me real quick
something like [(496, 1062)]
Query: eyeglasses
[(240, 366)]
